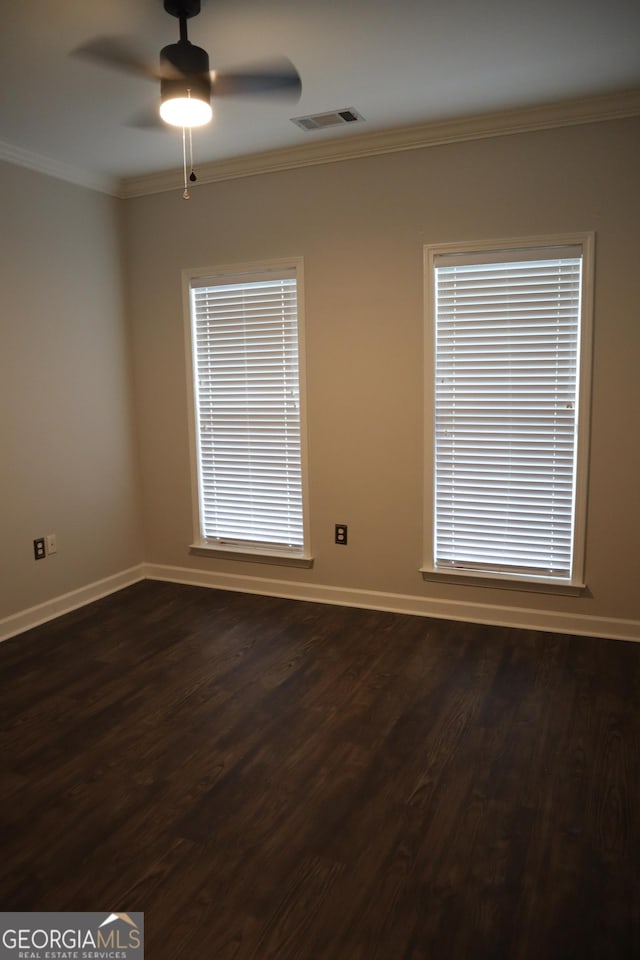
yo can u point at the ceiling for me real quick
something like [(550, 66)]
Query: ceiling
[(397, 62)]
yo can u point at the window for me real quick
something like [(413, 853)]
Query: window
[(245, 338), (508, 351)]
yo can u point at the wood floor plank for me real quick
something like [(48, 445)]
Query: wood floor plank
[(267, 778)]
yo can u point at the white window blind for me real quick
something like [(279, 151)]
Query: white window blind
[(507, 345), (248, 430)]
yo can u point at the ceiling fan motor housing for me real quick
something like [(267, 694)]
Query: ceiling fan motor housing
[(182, 9), (187, 73)]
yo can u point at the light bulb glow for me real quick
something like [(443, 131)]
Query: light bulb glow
[(186, 111)]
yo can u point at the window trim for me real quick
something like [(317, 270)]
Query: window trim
[(576, 584), (200, 546)]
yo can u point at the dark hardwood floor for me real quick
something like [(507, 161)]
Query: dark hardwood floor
[(269, 779)]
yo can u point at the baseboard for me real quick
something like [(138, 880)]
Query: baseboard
[(493, 614), (33, 616)]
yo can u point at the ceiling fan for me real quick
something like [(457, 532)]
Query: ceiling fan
[(186, 81)]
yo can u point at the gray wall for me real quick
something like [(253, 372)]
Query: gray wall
[(360, 226), (66, 438), (80, 437)]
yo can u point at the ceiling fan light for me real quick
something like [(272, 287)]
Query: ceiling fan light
[(186, 111)]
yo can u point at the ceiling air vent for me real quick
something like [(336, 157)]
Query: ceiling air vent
[(337, 118)]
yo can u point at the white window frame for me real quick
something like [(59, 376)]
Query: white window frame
[(576, 582), (251, 551)]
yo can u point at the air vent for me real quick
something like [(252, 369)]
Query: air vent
[(337, 118)]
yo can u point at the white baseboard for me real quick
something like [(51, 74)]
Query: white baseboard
[(33, 616), (493, 614)]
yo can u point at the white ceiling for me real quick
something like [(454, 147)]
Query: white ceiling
[(397, 62)]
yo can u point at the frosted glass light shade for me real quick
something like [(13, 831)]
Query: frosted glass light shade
[(186, 111)]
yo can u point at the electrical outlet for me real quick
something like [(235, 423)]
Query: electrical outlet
[(341, 534), (52, 546), (39, 551)]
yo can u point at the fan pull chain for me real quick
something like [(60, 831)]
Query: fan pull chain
[(185, 194), (192, 177)]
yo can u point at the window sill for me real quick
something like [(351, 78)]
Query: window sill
[(230, 552), (501, 582)]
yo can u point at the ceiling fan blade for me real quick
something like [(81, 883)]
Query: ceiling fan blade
[(118, 54), (274, 78)]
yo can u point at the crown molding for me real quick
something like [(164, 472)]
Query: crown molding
[(398, 139), (54, 168), (565, 113)]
